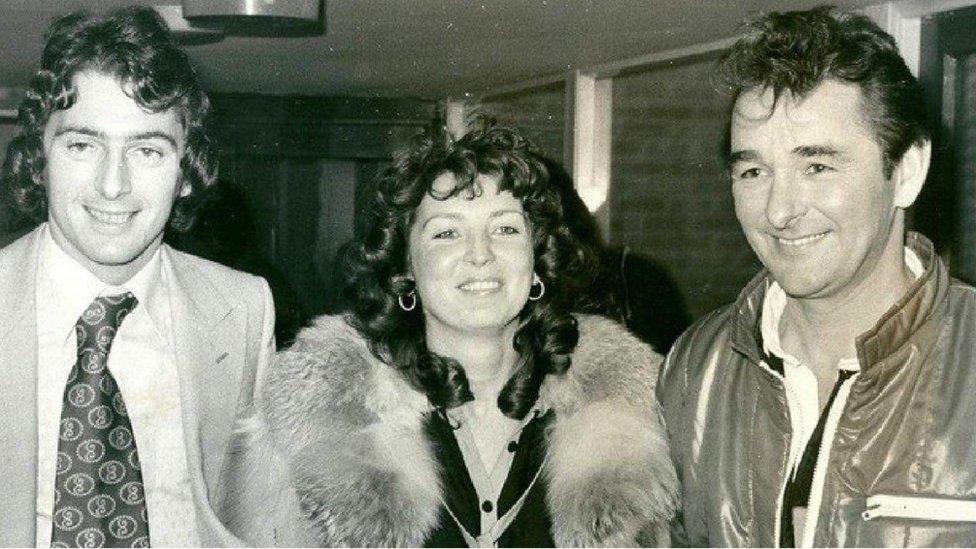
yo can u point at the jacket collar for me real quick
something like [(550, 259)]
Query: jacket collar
[(746, 333), (907, 319), (903, 323)]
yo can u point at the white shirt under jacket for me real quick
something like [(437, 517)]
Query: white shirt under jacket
[(802, 395), (143, 363)]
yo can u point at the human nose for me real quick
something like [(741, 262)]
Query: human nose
[(784, 204), (479, 250), (115, 178)]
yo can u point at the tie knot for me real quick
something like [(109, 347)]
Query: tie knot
[(99, 322)]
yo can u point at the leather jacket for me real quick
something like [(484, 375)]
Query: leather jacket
[(897, 465)]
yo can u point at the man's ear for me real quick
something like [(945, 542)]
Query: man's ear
[(185, 189), (909, 175)]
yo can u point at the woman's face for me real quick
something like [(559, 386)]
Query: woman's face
[(471, 257)]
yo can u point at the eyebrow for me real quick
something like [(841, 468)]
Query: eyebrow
[(743, 156), (439, 216), (500, 213), (805, 151), (148, 135), (455, 217)]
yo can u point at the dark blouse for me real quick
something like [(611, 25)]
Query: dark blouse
[(532, 527)]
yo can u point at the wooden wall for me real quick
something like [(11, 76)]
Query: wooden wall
[(671, 202), (295, 173), (10, 223), (538, 113)]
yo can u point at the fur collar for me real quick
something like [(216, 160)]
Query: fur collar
[(352, 431)]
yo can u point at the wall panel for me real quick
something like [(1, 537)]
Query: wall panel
[(670, 200)]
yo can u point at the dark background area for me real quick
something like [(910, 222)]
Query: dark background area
[(945, 209)]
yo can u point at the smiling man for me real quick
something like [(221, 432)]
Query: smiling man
[(831, 404), (127, 366)]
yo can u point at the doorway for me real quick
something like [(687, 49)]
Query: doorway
[(946, 211)]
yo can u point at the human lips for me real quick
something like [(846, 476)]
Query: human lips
[(480, 285), (110, 217), (799, 242)]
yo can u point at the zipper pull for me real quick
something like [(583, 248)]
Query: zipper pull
[(876, 507), (920, 508)]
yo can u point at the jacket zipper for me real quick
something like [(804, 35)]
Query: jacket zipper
[(778, 519), (912, 507), (820, 468)]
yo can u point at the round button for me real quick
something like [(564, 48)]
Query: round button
[(487, 507), (512, 446)]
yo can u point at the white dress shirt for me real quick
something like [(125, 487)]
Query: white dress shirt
[(143, 362)]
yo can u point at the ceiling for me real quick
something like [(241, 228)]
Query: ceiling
[(421, 48)]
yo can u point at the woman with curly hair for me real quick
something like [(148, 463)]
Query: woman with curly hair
[(464, 400)]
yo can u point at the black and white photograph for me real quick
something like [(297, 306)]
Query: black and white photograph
[(487, 273)]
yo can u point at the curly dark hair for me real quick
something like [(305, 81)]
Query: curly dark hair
[(133, 45), (374, 265), (796, 51)]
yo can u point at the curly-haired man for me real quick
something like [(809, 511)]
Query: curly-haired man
[(126, 363)]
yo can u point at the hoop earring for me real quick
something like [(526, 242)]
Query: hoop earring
[(413, 301), (537, 283)]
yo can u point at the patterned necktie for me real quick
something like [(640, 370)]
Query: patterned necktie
[(99, 500)]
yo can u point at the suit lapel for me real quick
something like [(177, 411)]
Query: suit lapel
[(210, 345), (18, 391)]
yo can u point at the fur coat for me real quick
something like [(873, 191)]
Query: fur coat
[(345, 431)]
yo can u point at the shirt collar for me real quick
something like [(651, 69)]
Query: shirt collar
[(66, 288), (775, 302), (149, 285)]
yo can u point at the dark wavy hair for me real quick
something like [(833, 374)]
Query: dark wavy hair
[(796, 51), (374, 265), (133, 45)]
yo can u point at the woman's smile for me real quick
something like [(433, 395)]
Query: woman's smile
[(481, 286)]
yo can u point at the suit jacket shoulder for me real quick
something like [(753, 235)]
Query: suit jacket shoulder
[(15, 253), (214, 287), (233, 285)]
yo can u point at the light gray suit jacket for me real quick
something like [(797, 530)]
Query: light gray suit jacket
[(223, 324)]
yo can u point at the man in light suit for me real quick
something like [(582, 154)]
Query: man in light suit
[(111, 151)]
